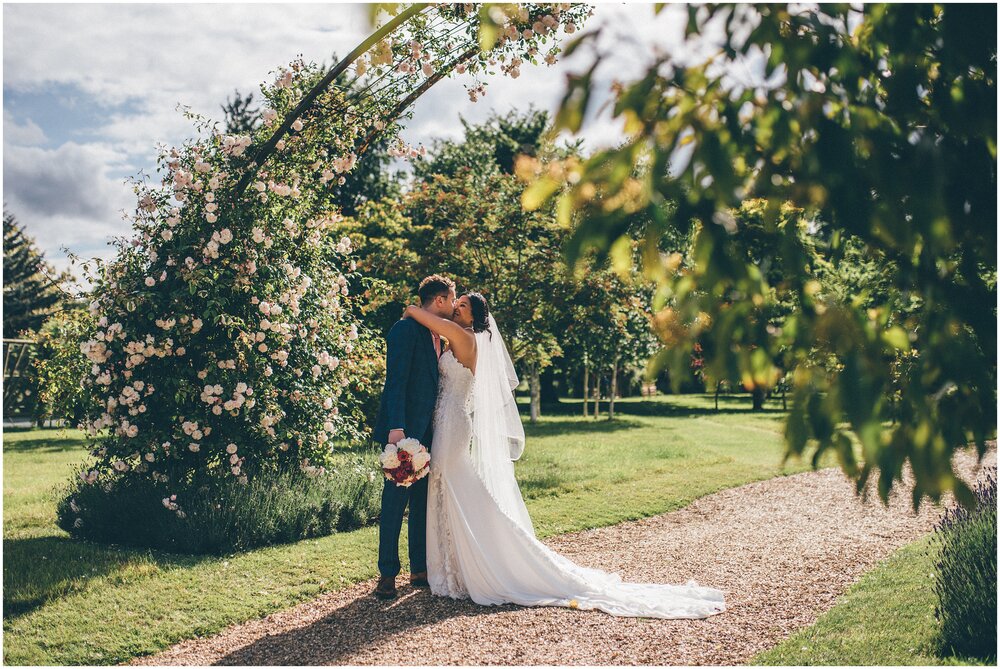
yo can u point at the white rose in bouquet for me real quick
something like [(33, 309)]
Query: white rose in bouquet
[(389, 457), (420, 459), (409, 445)]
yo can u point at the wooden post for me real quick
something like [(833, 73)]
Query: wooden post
[(586, 383)]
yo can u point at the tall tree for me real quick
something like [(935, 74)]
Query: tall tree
[(607, 336), (31, 289), (487, 242), (488, 147), (468, 196)]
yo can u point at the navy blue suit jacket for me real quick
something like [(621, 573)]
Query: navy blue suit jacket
[(411, 382)]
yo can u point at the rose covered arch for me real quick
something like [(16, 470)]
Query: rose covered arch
[(225, 342)]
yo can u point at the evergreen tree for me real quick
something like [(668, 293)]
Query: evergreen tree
[(30, 294), (240, 118)]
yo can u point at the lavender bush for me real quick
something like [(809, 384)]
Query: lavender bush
[(966, 576)]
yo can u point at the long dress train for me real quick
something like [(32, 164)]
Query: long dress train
[(478, 550)]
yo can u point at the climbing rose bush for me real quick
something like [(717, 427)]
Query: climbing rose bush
[(226, 343)]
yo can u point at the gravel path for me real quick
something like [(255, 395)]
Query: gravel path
[(783, 550)]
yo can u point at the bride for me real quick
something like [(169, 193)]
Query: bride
[(480, 541)]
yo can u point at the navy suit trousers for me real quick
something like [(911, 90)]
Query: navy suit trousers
[(394, 502)]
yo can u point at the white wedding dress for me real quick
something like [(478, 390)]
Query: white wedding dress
[(480, 542)]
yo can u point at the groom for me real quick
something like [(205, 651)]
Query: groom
[(406, 410)]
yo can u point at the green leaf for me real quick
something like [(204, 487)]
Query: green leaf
[(575, 43), (897, 338), (489, 31), (535, 195), (574, 104)]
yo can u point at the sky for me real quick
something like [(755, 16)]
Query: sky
[(89, 90)]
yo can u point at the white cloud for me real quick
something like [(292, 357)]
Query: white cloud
[(21, 134), (71, 178), (137, 62), (65, 197)]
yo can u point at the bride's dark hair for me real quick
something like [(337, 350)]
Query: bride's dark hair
[(480, 313)]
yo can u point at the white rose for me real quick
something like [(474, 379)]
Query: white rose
[(410, 445), (389, 457), (420, 459)]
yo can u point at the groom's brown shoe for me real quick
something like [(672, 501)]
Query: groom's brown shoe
[(386, 588), (419, 580)]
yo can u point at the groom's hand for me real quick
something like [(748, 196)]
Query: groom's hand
[(396, 436)]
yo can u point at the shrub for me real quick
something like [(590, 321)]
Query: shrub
[(966, 575), (224, 516), (61, 369)]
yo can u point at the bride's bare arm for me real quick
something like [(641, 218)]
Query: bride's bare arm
[(450, 330)]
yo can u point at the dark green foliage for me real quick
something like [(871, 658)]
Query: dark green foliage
[(226, 517), (487, 148), (878, 121), (371, 181), (29, 296), (60, 368), (966, 578)]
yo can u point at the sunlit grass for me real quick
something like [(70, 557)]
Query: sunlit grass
[(887, 618), (69, 602)]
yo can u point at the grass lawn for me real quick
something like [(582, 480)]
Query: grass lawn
[(70, 602), (886, 618)]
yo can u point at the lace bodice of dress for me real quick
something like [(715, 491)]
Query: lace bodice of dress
[(454, 399)]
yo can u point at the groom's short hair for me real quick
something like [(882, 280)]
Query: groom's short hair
[(433, 286)]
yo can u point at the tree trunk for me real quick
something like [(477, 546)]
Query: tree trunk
[(586, 384), (718, 385), (597, 396), (613, 391), (758, 398), (536, 394)]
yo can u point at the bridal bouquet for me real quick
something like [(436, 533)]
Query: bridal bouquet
[(405, 462)]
